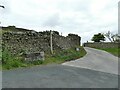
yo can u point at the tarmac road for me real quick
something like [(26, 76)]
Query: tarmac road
[(58, 76), (64, 76), (98, 60)]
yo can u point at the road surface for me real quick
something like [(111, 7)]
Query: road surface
[(63, 76), (98, 60)]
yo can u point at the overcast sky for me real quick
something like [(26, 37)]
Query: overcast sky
[(82, 17)]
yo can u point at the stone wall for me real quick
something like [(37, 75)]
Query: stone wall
[(34, 57), (102, 45), (35, 42)]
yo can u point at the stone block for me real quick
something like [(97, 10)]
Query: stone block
[(34, 56)]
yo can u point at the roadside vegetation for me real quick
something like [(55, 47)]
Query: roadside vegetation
[(113, 38), (114, 51), (65, 55), (9, 61)]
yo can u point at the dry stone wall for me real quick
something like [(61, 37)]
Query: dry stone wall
[(102, 45), (35, 42)]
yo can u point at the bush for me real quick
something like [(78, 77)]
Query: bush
[(9, 61)]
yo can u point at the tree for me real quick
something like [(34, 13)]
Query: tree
[(108, 35), (116, 38), (112, 37), (98, 37)]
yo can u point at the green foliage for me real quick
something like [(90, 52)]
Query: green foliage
[(0, 67), (9, 61), (98, 37), (114, 51), (65, 55), (37, 62)]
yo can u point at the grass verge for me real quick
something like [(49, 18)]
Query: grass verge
[(9, 61), (65, 55), (114, 51)]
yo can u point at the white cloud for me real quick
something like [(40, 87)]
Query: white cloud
[(82, 17), (53, 21)]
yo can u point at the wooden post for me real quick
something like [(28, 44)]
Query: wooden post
[(51, 43)]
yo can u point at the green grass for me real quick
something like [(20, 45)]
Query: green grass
[(114, 51), (0, 67), (9, 61), (66, 55)]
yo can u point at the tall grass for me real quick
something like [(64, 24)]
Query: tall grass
[(9, 61), (65, 55)]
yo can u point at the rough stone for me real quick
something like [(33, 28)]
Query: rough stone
[(34, 56), (32, 42), (102, 45)]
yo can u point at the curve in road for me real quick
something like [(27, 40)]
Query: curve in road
[(88, 75), (98, 60)]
